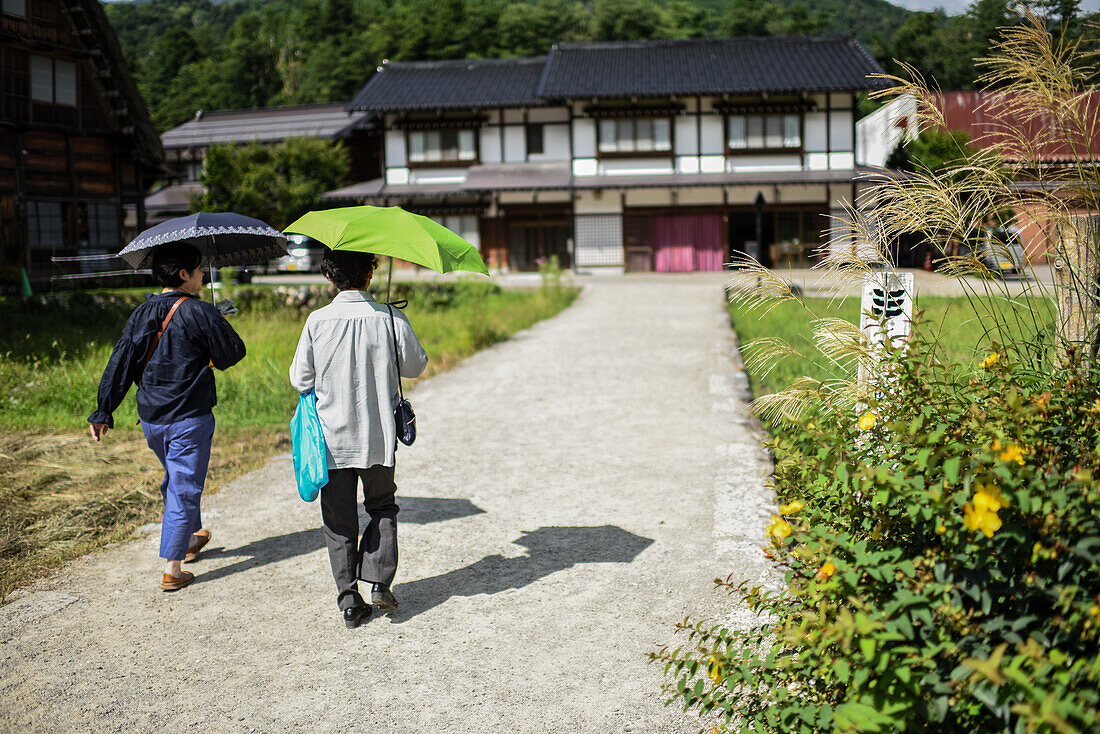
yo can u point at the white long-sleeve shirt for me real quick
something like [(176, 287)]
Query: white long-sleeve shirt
[(345, 355)]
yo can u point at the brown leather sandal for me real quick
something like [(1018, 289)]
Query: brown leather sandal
[(175, 583), (204, 537)]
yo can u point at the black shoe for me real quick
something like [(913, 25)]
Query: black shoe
[(382, 597), (356, 616)]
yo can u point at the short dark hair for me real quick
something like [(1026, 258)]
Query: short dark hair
[(347, 270), (170, 259)]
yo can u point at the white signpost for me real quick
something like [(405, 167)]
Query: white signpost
[(886, 312)]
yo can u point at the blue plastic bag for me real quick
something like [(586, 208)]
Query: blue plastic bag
[(310, 453)]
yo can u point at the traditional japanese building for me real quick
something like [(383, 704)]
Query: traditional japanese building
[(658, 155), (76, 141), (185, 145)]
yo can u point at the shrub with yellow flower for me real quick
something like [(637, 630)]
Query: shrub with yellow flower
[(714, 670), (778, 528), (981, 513), (867, 421), (790, 508), (1012, 453), (827, 569), (991, 360)]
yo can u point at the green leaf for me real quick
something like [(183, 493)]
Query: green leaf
[(951, 469)]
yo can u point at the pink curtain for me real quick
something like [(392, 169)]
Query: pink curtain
[(685, 243)]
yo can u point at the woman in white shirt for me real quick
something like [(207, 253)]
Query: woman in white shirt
[(346, 356)]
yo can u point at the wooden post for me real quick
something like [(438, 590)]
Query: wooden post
[(1076, 277)]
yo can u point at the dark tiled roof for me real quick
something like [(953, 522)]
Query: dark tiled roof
[(451, 84), (266, 124), (708, 66), (626, 69)]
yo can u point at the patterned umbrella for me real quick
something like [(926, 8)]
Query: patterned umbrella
[(223, 238)]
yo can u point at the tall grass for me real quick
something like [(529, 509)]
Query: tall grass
[(962, 335)]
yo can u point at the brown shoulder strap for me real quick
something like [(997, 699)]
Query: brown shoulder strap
[(163, 326)]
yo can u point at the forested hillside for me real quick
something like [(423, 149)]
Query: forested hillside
[(197, 54)]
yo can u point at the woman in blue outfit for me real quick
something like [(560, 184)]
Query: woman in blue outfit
[(169, 348)]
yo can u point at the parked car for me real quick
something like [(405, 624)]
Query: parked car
[(1002, 251), (303, 255)]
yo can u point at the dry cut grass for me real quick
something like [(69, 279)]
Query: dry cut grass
[(62, 495)]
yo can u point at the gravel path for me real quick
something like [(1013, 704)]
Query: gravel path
[(570, 497)]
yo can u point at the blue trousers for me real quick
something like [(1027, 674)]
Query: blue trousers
[(183, 448)]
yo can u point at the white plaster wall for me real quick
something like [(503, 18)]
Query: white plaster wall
[(817, 162), (585, 167), (516, 197), (820, 100), (839, 195), (555, 143), (879, 133), (397, 176), (698, 196), (842, 161), (840, 101), (548, 114), (584, 138), (515, 143), (489, 149), (712, 164), (714, 137), (635, 166), (648, 197), (803, 194), (686, 136), (395, 149), (840, 132), (552, 197), (513, 116), (764, 163), (493, 117), (589, 202), (815, 138), (742, 195), (687, 164), (437, 175)]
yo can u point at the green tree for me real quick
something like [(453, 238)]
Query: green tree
[(748, 18), (685, 19), (276, 184), (625, 20)]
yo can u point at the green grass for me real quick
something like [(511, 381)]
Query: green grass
[(961, 336), (53, 358)]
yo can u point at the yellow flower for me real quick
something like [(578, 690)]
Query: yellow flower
[(714, 670), (790, 508), (989, 361), (1094, 610), (778, 528), (810, 425), (827, 569), (1012, 453), (941, 529), (867, 422), (982, 513)]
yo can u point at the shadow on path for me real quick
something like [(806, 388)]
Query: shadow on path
[(551, 549), (417, 510)]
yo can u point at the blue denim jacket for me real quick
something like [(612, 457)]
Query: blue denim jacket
[(178, 382)]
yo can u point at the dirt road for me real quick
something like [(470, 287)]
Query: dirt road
[(570, 497)]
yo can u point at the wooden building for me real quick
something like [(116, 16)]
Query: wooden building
[(654, 155), (76, 141)]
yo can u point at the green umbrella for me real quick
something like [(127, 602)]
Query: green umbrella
[(390, 230)]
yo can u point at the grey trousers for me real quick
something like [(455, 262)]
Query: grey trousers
[(374, 558)]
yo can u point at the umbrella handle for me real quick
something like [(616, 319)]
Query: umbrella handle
[(389, 279)]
